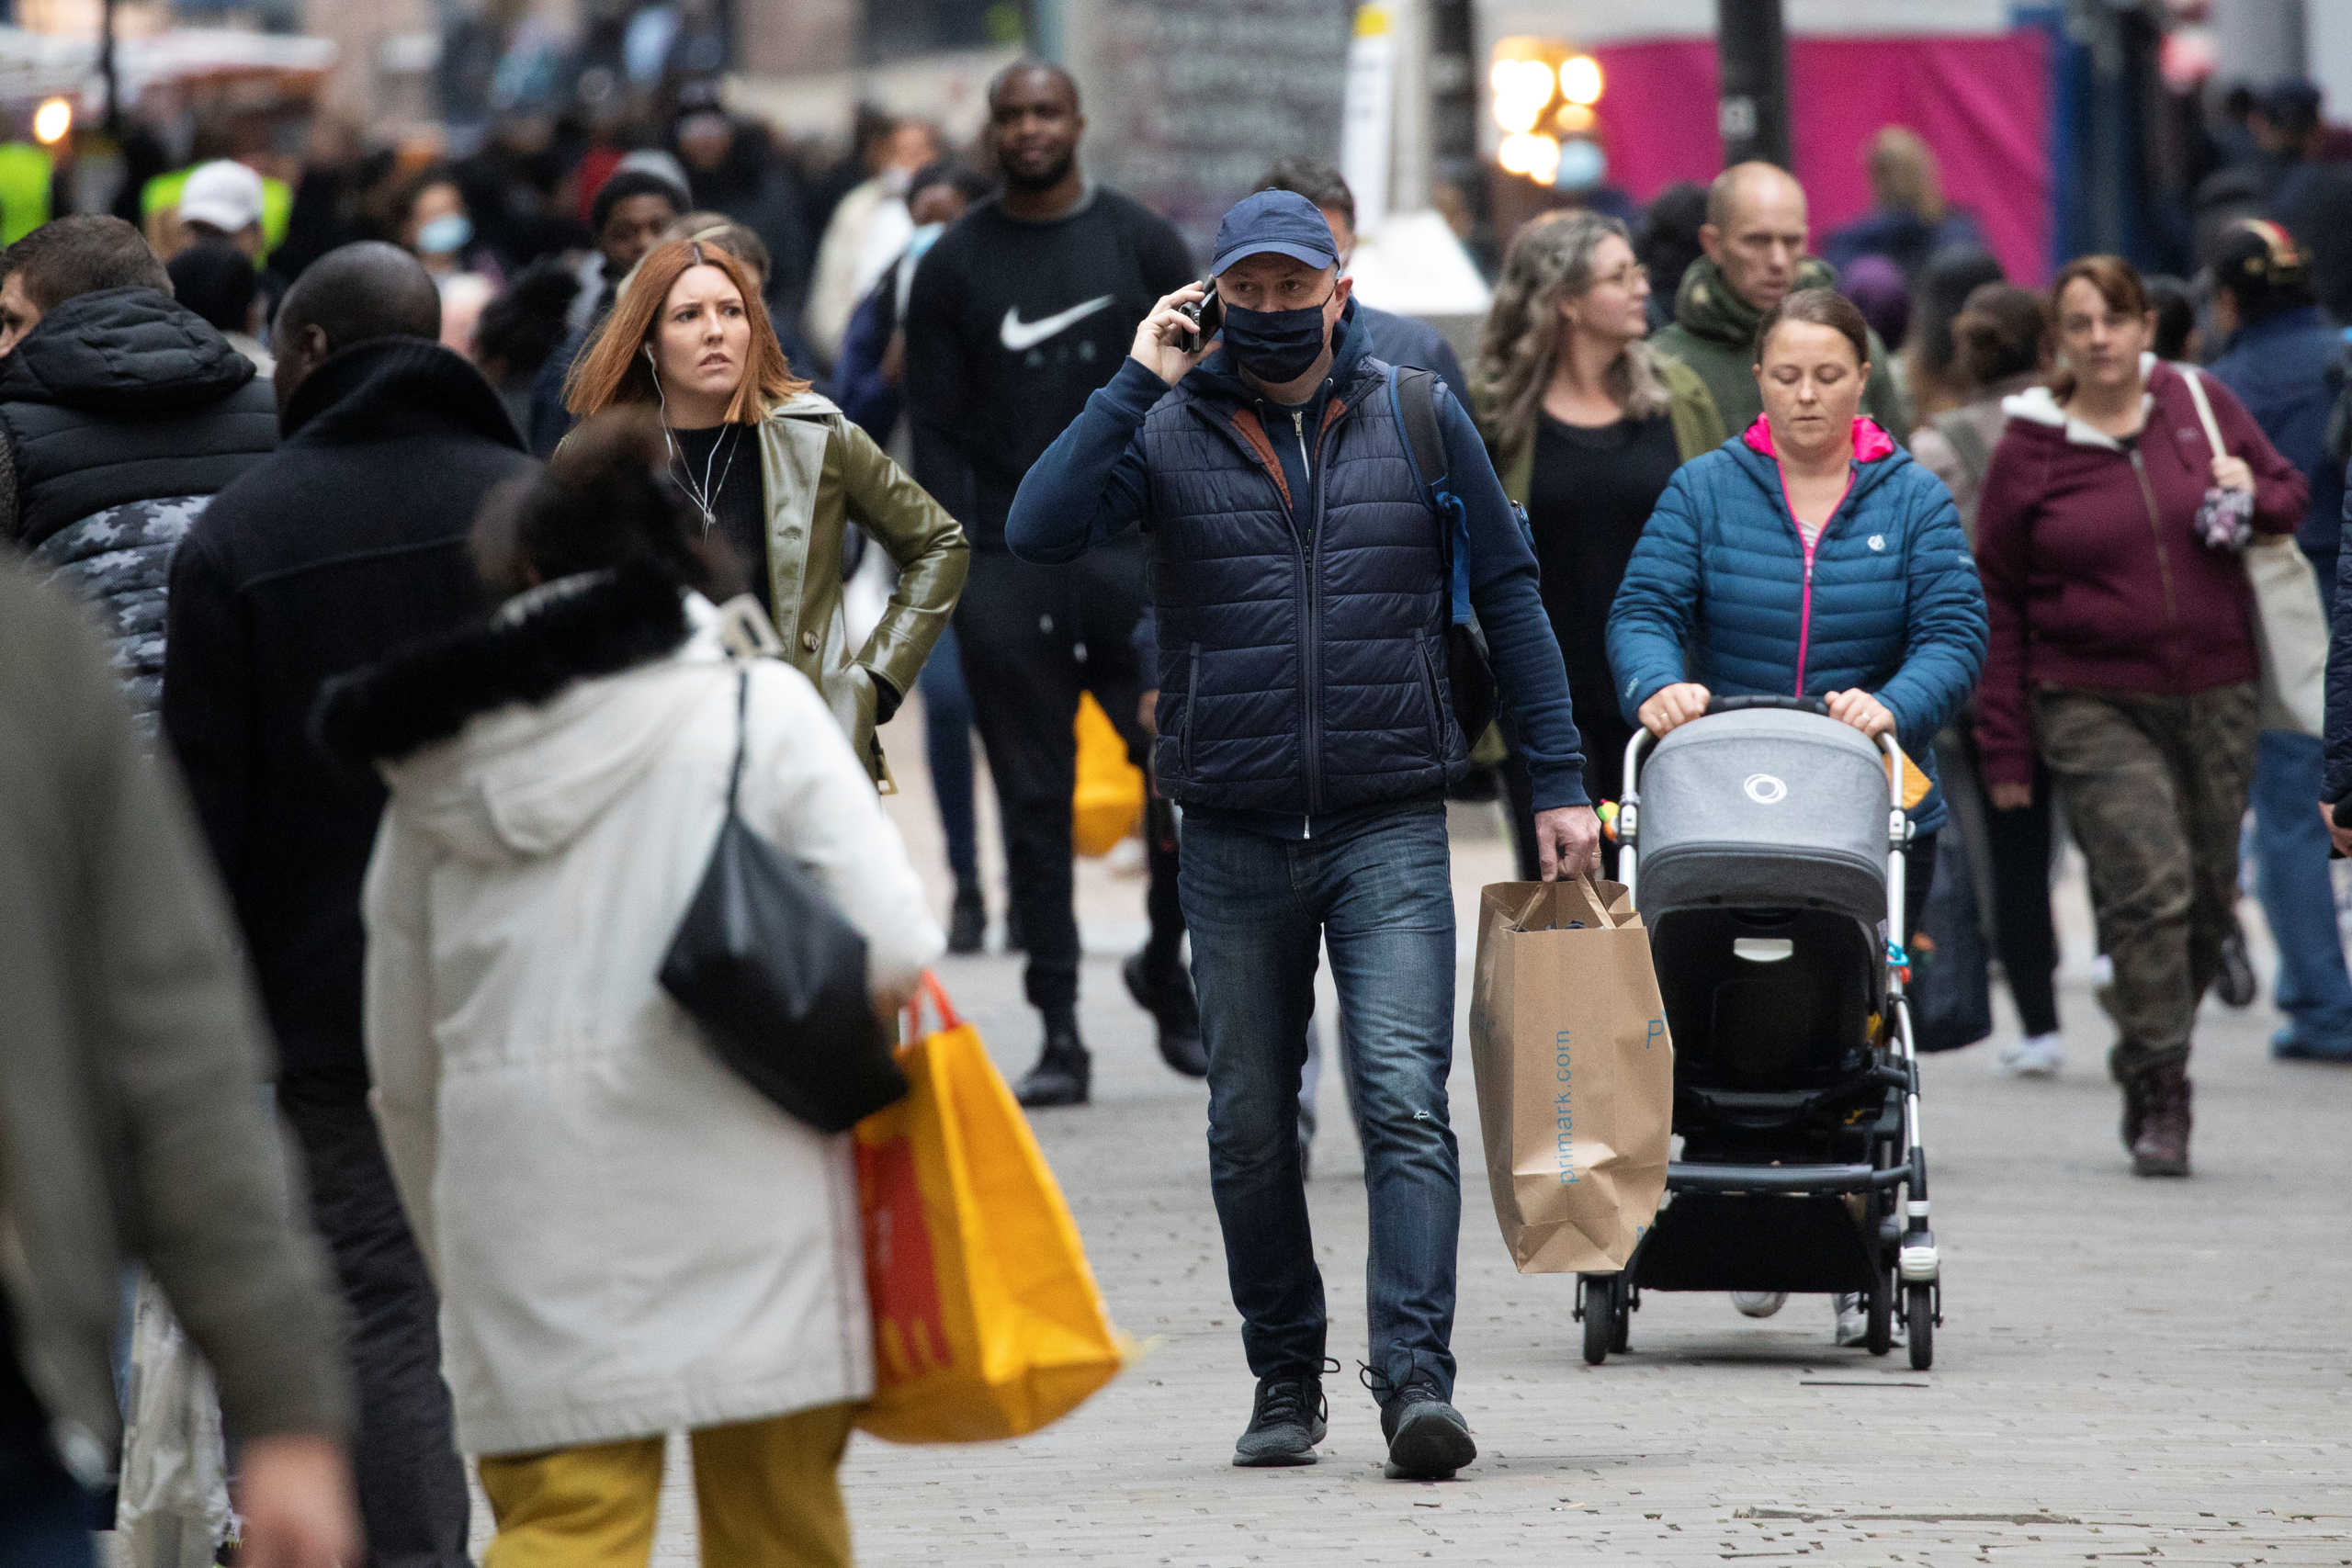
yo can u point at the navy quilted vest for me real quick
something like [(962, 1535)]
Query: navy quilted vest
[(1302, 658)]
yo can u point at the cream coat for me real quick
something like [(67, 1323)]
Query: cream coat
[(627, 1239)]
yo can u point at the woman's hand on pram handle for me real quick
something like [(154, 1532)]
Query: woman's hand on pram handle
[(1671, 707), (1568, 842), (1862, 710)]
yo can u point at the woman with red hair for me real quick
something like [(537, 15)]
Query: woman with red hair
[(781, 471)]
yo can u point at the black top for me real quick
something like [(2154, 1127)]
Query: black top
[(1009, 325), (725, 460), (1593, 490)]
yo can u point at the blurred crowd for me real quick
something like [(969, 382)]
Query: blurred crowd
[(431, 510)]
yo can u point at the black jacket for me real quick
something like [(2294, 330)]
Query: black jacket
[(122, 412), (348, 543)]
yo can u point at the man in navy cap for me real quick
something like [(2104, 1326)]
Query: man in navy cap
[(1301, 578)]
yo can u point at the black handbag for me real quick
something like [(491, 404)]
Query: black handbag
[(1952, 980), (776, 977)]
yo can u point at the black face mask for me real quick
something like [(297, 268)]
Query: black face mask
[(1276, 345)]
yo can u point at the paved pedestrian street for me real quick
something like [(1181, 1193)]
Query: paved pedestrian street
[(2128, 1371)]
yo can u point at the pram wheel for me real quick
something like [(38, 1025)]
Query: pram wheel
[(1879, 1338), (1607, 1312), (1919, 1325)]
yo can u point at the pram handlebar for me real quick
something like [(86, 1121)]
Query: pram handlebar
[(1642, 740), (1716, 705), (1629, 812)]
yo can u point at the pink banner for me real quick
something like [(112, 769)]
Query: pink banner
[(1982, 102)]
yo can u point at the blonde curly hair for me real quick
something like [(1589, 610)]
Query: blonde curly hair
[(1550, 261)]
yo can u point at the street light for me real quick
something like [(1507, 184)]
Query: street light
[(1536, 157), (1580, 81), (1523, 89), (52, 121), (1545, 96)]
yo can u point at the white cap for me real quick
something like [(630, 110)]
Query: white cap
[(224, 194)]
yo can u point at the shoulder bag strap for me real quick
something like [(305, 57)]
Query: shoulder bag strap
[(742, 733), (2196, 380)]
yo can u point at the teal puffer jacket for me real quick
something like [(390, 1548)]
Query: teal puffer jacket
[(1723, 590)]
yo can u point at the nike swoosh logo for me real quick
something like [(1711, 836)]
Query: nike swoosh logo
[(1021, 336)]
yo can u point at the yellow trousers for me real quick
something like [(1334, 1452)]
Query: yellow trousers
[(766, 1495)]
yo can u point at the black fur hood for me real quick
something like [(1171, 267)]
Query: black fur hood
[(530, 650)]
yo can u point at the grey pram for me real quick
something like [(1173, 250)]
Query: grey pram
[(1763, 845)]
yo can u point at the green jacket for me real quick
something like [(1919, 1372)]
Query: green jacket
[(1697, 428), (819, 473), (132, 1124), (1714, 333)]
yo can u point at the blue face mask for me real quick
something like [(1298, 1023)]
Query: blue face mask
[(1276, 345), (445, 235)]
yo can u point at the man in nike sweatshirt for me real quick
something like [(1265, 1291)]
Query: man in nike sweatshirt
[(1018, 312)]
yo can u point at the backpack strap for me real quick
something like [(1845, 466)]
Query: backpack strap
[(1413, 395)]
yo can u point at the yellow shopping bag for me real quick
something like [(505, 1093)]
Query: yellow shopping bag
[(1108, 801), (987, 1322)]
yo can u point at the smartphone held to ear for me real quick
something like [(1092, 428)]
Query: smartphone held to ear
[(1207, 316)]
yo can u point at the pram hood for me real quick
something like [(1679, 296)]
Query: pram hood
[(1767, 809)]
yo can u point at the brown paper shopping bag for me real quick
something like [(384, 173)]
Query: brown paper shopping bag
[(1576, 1073)]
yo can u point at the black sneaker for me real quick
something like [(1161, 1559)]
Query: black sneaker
[(967, 922), (1428, 1439), (1165, 991), (2236, 985), (1289, 1418), (1064, 1072)]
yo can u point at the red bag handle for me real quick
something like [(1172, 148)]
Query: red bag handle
[(928, 989)]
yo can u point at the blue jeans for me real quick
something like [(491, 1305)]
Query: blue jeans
[(2298, 896), (1379, 891)]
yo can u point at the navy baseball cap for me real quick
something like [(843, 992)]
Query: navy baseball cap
[(1282, 223)]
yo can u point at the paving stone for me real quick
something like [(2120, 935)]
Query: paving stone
[(2128, 1371)]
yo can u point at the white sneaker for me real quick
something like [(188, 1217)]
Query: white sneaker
[(1760, 1303), (1853, 1315), (2033, 1056)]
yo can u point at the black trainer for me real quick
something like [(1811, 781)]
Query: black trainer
[(1289, 1420), (1064, 1072), (1165, 991), (967, 922), (1428, 1439)]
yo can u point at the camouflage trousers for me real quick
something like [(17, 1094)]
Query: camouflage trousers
[(2155, 788)]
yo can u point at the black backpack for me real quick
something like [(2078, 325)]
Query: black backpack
[(1468, 671)]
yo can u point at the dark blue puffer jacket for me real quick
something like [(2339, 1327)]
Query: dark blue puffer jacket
[(1299, 582), (1302, 657), (1722, 590)]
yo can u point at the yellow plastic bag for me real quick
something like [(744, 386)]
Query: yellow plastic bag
[(1108, 802), (986, 1321), (1915, 782)]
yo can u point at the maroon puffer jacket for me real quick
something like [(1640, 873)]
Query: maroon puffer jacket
[(2094, 575)]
